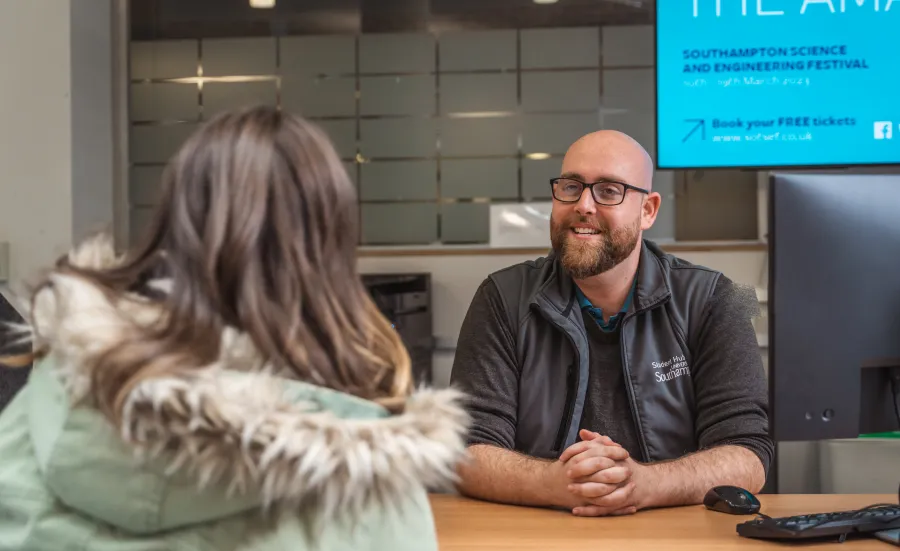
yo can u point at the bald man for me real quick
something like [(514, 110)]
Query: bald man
[(609, 376)]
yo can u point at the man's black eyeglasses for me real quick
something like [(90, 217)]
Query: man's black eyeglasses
[(604, 192)]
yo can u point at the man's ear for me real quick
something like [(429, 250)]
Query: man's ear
[(650, 209)]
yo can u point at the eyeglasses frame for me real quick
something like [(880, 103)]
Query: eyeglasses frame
[(590, 186)]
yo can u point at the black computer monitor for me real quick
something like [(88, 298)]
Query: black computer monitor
[(834, 305)]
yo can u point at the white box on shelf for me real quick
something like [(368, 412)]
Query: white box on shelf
[(525, 225)]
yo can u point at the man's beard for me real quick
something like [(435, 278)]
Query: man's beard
[(585, 258)]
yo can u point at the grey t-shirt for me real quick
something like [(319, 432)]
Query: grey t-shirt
[(606, 408)]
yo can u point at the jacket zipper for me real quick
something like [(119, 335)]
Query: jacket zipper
[(631, 397), (572, 380), (567, 410)]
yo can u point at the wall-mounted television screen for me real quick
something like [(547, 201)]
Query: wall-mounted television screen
[(777, 83)]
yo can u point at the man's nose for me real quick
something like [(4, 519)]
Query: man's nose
[(586, 204)]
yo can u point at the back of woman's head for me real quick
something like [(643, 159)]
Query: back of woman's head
[(256, 230)]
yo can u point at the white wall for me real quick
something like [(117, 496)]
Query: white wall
[(91, 126), (36, 145), (56, 150)]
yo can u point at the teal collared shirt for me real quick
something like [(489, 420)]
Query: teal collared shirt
[(597, 313)]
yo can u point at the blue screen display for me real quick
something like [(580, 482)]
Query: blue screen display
[(777, 83)]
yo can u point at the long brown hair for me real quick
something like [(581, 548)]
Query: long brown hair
[(257, 230)]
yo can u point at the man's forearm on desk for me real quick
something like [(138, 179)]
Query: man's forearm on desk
[(496, 474), (685, 481)]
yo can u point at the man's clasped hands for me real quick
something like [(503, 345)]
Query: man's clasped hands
[(600, 478)]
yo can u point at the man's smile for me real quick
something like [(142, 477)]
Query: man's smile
[(584, 231)]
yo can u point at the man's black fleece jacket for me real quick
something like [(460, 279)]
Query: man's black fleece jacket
[(731, 392)]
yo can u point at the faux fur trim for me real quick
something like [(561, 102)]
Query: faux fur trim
[(238, 428), (296, 454)]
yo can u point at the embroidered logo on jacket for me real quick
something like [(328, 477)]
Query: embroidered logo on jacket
[(674, 367)]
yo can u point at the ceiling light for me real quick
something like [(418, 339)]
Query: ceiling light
[(262, 3), (545, 1), (537, 156)]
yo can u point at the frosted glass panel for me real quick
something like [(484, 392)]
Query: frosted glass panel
[(555, 133), (628, 89), (413, 137), (164, 101), (138, 222), (569, 90), (466, 223), (221, 96), (319, 97), (564, 47), (468, 178), (238, 56), (399, 223), (628, 46), (473, 93), (164, 59), (640, 126), (480, 136), (536, 177), (396, 53), (410, 95), (664, 227), (156, 144), (145, 185), (343, 136), (468, 50), (398, 181), (318, 55)]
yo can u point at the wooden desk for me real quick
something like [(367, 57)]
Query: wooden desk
[(470, 525)]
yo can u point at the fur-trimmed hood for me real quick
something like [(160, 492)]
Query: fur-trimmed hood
[(229, 437)]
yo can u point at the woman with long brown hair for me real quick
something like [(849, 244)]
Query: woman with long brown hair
[(227, 384)]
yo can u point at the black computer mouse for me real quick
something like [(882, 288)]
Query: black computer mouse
[(732, 500)]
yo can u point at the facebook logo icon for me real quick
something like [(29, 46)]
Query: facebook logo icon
[(884, 130)]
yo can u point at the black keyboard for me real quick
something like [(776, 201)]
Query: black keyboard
[(824, 525)]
